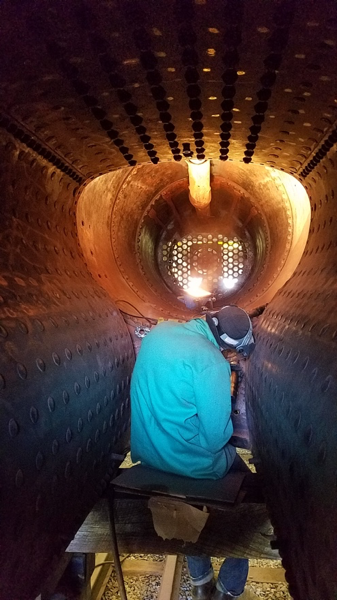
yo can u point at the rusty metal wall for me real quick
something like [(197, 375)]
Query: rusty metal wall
[(292, 402), (90, 86), (65, 364)]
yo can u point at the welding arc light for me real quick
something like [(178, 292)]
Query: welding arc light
[(229, 282), (194, 288)]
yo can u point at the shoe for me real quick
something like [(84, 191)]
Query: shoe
[(203, 591), (217, 595)]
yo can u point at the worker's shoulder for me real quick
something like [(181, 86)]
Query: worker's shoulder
[(167, 326), (162, 333)]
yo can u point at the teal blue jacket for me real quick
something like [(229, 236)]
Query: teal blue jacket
[(181, 402)]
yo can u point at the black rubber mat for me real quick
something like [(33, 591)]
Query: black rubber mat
[(144, 480)]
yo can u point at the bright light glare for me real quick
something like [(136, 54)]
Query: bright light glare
[(229, 283), (196, 161), (194, 288), (199, 178)]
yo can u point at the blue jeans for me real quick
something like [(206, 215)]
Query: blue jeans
[(232, 575)]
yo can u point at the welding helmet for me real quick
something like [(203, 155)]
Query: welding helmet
[(232, 329)]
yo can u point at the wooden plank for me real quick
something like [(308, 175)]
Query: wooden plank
[(170, 582), (238, 531), (101, 575), (266, 575), (177, 578), (249, 594), (132, 568)]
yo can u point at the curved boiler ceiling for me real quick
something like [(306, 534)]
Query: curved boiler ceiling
[(121, 93), (92, 86)]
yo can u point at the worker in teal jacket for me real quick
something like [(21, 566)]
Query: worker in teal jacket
[(181, 414)]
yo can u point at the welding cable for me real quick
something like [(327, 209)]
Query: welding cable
[(148, 319), (111, 562)]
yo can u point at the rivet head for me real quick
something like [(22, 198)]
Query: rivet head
[(51, 404), (3, 332), (55, 447), (79, 425), (56, 359), (40, 364), (68, 470), (19, 479), (87, 382), (97, 435), (305, 364), (65, 397), (79, 455), (77, 388), (2, 382), (96, 376), (322, 453), (89, 346), (297, 421), (69, 435), (105, 427), (13, 428), (106, 400), (79, 350), (313, 375), (90, 415), (326, 384), (38, 503), (68, 353), (39, 460), (23, 327), (89, 445), (21, 371), (38, 325), (34, 414), (98, 408)]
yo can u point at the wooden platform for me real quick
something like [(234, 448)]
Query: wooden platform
[(243, 530)]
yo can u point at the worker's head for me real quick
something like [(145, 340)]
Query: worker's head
[(232, 329)]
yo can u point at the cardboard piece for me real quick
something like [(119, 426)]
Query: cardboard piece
[(176, 519)]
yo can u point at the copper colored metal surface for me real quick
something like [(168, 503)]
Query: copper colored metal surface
[(100, 104), (125, 216)]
